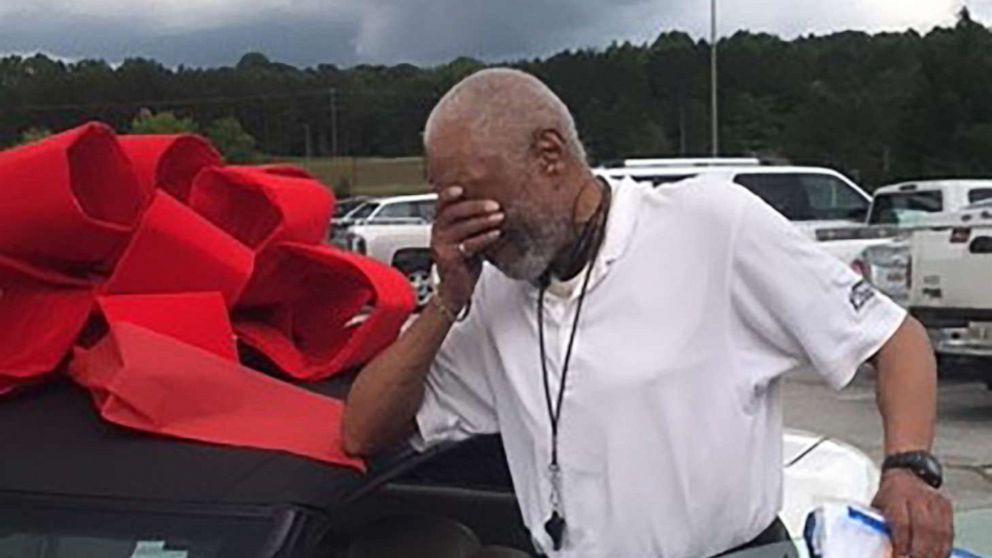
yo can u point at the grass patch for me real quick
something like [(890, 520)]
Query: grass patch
[(368, 176)]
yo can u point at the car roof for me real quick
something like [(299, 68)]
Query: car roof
[(636, 172), (932, 185), (65, 450), (405, 199)]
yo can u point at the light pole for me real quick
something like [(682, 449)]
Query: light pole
[(334, 122), (306, 141), (715, 114)]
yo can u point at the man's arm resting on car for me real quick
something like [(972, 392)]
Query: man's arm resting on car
[(920, 517), (387, 393)]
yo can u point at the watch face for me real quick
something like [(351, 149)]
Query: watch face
[(922, 464), (929, 469)]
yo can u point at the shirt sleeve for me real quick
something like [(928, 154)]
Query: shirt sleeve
[(798, 305), (458, 399)]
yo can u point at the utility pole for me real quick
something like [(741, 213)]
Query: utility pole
[(306, 141), (334, 122), (715, 116)]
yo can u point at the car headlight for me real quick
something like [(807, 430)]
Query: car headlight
[(896, 254), (355, 243)]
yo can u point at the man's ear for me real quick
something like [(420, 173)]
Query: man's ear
[(549, 150)]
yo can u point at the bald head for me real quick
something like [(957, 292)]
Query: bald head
[(503, 110), (502, 135)]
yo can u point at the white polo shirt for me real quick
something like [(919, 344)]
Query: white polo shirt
[(670, 439)]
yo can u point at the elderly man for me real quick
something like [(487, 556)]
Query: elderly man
[(627, 343)]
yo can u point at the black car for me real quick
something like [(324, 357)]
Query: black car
[(75, 486)]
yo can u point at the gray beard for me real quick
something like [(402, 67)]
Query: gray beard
[(537, 246)]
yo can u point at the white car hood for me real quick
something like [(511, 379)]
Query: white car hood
[(819, 470)]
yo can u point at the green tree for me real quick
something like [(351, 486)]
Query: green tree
[(231, 139), (885, 106), (148, 122)]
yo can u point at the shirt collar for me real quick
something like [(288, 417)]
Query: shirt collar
[(621, 220), (620, 224)]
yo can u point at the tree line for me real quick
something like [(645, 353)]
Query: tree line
[(880, 107)]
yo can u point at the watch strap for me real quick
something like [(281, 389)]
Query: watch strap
[(921, 463)]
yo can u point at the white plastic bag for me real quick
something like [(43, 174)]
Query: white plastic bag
[(851, 531)]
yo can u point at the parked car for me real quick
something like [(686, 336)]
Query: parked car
[(390, 210), (899, 209), (346, 206), (950, 286), (78, 487), (910, 203), (397, 232), (813, 198)]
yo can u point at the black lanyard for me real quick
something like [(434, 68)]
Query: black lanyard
[(555, 525)]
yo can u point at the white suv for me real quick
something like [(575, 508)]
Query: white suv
[(395, 231), (813, 198)]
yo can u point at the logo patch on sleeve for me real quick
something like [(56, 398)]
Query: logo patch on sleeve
[(861, 293)]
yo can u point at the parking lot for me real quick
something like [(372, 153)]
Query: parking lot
[(964, 435)]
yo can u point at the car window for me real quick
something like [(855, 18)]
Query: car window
[(425, 210), (364, 212), (902, 208), (979, 194), (807, 196), (398, 210)]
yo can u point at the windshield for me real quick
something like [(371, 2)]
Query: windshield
[(904, 208), (807, 196), (345, 207), (91, 533), (364, 211), (980, 195)]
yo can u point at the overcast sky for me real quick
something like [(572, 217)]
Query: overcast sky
[(346, 32)]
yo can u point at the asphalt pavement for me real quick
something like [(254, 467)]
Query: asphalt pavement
[(964, 428)]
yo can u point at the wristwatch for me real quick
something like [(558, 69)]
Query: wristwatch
[(921, 463)]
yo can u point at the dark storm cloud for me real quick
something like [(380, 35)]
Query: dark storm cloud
[(345, 32), (433, 30), (283, 37), (376, 31)]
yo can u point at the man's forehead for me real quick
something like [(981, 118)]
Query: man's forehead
[(463, 167)]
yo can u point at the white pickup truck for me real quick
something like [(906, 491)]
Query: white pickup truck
[(815, 199), (896, 212), (951, 286), (395, 231)]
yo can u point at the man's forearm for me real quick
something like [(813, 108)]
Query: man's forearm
[(387, 393), (907, 389)]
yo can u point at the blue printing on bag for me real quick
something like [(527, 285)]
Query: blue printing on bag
[(880, 526)]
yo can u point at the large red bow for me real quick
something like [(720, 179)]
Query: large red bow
[(140, 260)]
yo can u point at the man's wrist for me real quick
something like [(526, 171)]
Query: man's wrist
[(454, 313), (921, 464), (438, 302)]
